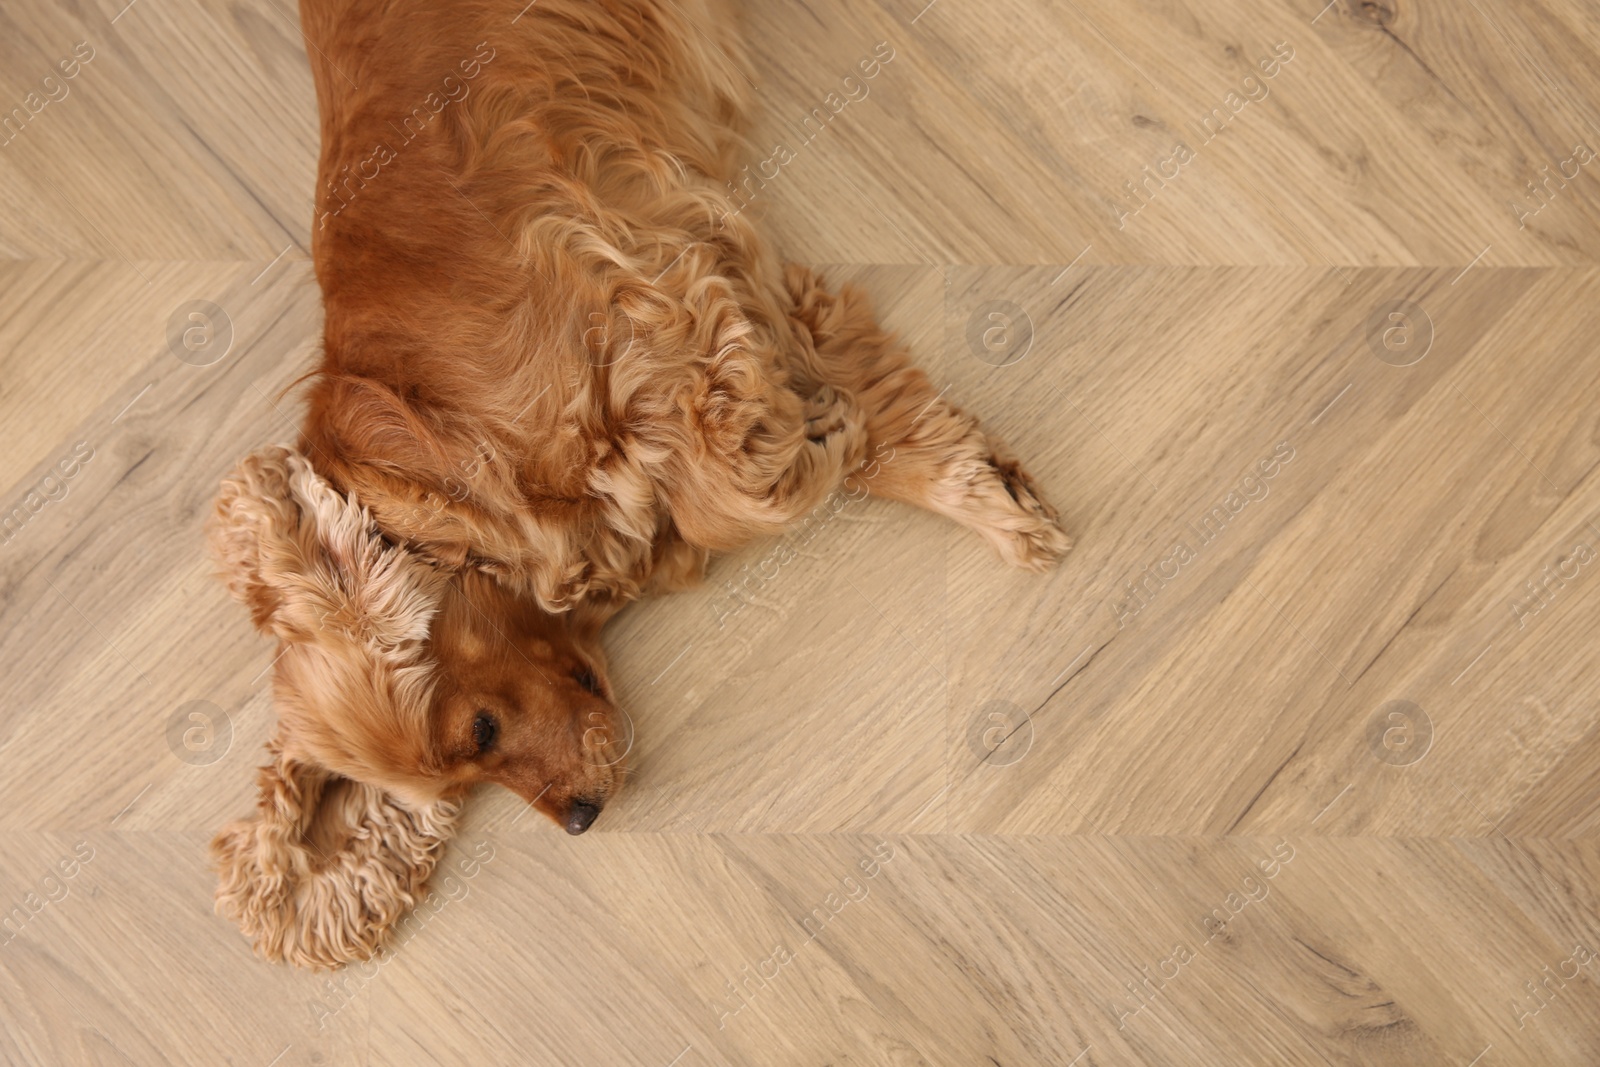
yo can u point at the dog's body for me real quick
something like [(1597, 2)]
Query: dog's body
[(560, 369)]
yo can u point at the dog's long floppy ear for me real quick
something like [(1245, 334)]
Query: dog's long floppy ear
[(253, 531), (327, 866), (300, 555)]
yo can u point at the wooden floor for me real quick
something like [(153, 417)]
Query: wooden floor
[(1291, 309)]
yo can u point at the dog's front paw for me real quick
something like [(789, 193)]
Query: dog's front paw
[(1038, 546), (827, 412), (1027, 535)]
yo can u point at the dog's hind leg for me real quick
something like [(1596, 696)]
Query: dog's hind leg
[(922, 449)]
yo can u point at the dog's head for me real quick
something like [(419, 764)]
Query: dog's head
[(400, 684)]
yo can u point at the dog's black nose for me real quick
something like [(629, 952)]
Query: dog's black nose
[(581, 816)]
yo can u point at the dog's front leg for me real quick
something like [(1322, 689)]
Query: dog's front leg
[(758, 455), (922, 449)]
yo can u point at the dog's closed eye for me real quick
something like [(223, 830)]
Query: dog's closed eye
[(484, 731), (585, 677)]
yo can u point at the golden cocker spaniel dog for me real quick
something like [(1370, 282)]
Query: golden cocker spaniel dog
[(559, 369)]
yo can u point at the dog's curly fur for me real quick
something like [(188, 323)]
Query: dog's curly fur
[(559, 370)]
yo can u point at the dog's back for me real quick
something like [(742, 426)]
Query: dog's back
[(514, 200)]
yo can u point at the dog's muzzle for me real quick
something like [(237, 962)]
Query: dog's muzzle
[(581, 816)]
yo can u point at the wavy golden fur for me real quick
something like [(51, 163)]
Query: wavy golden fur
[(559, 369)]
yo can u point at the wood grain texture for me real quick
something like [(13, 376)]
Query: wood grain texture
[(1197, 833)]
